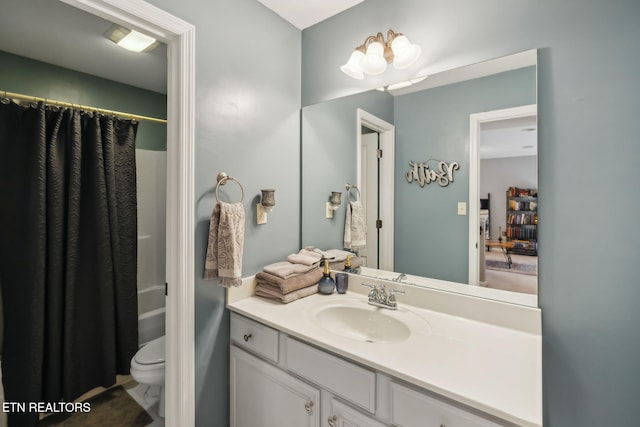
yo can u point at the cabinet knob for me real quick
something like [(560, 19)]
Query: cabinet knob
[(309, 407), (332, 421), (247, 337)]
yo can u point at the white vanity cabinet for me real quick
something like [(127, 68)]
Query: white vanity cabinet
[(287, 382), (342, 415), (410, 408), (263, 395), (353, 383)]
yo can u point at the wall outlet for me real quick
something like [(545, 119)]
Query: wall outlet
[(329, 211), (261, 214), (462, 208)]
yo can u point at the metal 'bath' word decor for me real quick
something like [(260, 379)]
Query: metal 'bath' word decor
[(421, 173)]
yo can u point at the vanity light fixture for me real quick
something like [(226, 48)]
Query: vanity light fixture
[(375, 53), (131, 40), (266, 205)]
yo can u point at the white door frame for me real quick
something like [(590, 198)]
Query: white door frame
[(180, 39), (387, 133), (475, 123)]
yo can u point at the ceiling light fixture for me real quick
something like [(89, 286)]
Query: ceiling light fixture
[(131, 40), (372, 56)]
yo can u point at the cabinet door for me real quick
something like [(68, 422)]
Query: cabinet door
[(345, 416), (410, 408), (263, 395)]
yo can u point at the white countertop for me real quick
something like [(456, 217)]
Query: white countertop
[(492, 368)]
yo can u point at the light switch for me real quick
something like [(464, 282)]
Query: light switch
[(462, 208)]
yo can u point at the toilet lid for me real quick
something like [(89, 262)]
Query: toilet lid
[(152, 353)]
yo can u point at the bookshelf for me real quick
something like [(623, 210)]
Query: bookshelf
[(522, 220)]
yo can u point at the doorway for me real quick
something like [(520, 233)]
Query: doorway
[(476, 235), (378, 166), (369, 191), (179, 36)]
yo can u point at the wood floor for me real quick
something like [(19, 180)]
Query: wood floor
[(513, 282)]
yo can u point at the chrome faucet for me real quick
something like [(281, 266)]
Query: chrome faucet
[(379, 297), (399, 278)]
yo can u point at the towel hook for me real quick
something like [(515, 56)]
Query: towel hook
[(222, 180), (349, 187)]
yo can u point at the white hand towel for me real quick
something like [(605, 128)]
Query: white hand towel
[(226, 241), (305, 257), (355, 231), (286, 269)]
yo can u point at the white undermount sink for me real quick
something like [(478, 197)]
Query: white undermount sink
[(362, 322)]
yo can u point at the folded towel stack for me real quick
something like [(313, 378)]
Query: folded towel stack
[(298, 277), (290, 280), (305, 257)]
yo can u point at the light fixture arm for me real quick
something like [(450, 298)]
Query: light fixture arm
[(379, 38)]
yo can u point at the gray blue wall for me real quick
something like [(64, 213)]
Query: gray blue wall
[(329, 132), (26, 76), (431, 240), (588, 104), (247, 125)]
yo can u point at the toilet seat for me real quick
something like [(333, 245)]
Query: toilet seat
[(147, 365), (152, 354)]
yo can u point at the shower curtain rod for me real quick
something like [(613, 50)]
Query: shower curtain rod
[(11, 95)]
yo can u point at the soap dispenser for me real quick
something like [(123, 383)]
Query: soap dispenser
[(326, 285), (348, 268)]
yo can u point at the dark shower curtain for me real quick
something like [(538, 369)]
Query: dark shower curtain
[(68, 252)]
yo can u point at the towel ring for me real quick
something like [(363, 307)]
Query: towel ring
[(349, 187), (222, 180)]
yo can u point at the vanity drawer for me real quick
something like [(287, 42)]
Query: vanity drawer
[(255, 337), (352, 382), (410, 408)]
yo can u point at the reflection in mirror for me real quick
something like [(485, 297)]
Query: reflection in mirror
[(431, 224)]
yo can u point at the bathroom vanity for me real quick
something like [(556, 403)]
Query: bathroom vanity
[(446, 360)]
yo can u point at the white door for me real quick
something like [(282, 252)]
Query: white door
[(383, 182), (369, 191), (263, 395)]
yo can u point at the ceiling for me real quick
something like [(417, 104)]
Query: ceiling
[(53, 32), (305, 13), (62, 35), (509, 138)]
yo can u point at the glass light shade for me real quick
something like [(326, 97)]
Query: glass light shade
[(268, 199), (136, 42), (405, 53), (353, 68), (373, 62)]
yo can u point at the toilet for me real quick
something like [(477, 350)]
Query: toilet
[(147, 367)]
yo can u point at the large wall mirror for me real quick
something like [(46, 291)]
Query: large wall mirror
[(447, 164)]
